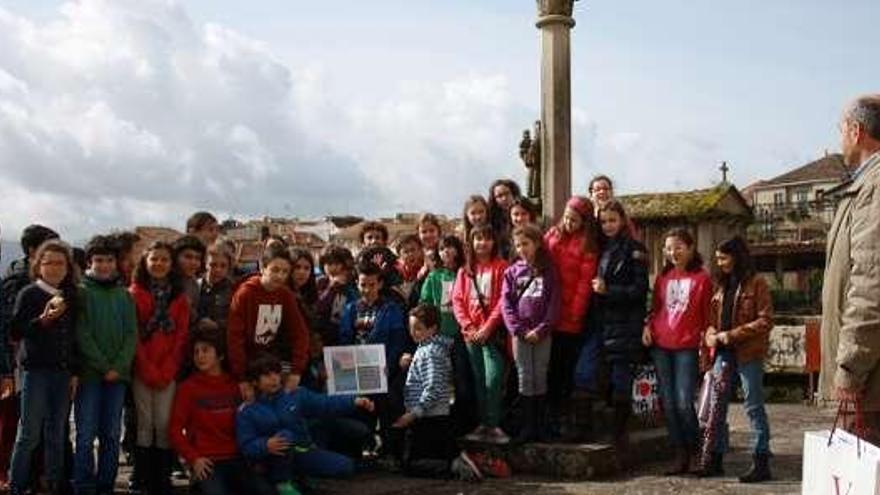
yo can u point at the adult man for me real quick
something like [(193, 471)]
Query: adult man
[(851, 292)]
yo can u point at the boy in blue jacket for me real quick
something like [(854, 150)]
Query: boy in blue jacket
[(273, 431)]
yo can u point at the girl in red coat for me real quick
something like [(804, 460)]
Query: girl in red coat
[(476, 302), (574, 250), (163, 320)]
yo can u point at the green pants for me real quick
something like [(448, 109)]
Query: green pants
[(487, 363)]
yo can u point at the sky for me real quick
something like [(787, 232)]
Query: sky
[(115, 113)]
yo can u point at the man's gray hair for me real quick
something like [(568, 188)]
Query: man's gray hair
[(866, 111)]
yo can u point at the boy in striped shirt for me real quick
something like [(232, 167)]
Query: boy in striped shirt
[(429, 447)]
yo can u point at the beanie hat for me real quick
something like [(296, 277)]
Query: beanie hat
[(581, 205)]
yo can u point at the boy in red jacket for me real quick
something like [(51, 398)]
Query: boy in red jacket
[(264, 317), (202, 427)]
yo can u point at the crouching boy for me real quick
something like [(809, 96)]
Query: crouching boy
[(273, 432)]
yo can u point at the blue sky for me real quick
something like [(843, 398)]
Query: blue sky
[(431, 91)]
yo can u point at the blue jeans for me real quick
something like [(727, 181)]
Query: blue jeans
[(589, 365), (98, 414), (751, 377), (233, 476), (677, 372), (308, 462), (45, 405)]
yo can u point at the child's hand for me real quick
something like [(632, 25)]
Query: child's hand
[(647, 340), (599, 286), (365, 404), (277, 445), (404, 421), (292, 382), (54, 308), (72, 387), (202, 468), (7, 387), (532, 337), (247, 391), (405, 360), (711, 340), (111, 376)]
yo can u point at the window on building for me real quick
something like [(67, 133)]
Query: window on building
[(779, 198)]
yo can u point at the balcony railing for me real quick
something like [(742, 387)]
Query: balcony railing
[(791, 222)]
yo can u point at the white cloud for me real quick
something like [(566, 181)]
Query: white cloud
[(124, 112)]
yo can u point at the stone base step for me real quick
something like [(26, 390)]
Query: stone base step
[(576, 461)]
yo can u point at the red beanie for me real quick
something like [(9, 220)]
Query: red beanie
[(581, 205)]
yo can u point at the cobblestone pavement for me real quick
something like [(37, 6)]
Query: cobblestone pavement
[(787, 422)]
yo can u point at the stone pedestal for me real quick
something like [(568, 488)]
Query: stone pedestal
[(555, 23)]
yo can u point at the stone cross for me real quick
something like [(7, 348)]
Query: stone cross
[(724, 169), (555, 22)]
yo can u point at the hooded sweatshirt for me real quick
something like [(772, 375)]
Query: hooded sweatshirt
[(529, 300), (203, 417), (680, 309), (266, 321)]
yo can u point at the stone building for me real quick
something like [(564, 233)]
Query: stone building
[(711, 215)]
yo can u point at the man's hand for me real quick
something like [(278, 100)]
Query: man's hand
[(365, 404), (202, 468), (404, 421), (277, 445), (849, 394)]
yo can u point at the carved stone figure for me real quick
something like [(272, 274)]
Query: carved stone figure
[(555, 7), (530, 153)]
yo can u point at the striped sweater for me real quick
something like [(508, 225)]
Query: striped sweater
[(428, 388)]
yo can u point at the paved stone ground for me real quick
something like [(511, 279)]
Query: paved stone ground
[(787, 423)]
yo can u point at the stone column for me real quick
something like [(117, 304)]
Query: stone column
[(555, 22)]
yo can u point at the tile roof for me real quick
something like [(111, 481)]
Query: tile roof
[(829, 167)]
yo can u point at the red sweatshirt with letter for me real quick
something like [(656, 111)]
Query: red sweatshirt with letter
[(266, 321), (680, 309)]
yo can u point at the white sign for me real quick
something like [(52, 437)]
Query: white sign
[(356, 369)]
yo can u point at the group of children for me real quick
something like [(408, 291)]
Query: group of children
[(226, 368)]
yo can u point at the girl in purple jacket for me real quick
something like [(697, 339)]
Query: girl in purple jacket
[(530, 299)]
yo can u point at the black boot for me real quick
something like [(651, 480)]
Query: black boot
[(622, 413), (582, 419), (713, 467), (161, 479), (527, 432), (759, 471), (682, 462), (542, 428), (142, 459)]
